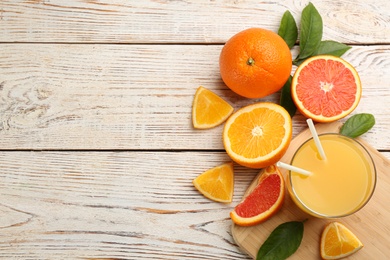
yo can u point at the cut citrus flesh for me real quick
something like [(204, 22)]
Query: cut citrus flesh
[(258, 135), (326, 88), (209, 109), (263, 201), (217, 183), (337, 242)]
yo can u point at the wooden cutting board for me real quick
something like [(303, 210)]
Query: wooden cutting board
[(371, 224)]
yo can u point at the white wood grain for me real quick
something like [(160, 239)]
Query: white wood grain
[(200, 21), (95, 76), (105, 204), (138, 96)]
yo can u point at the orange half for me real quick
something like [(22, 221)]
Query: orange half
[(258, 135), (326, 88)]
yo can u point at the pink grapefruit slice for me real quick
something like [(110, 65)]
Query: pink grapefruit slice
[(326, 88)]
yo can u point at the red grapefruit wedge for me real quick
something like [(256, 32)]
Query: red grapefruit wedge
[(263, 201)]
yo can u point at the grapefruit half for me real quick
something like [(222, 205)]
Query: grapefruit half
[(326, 88)]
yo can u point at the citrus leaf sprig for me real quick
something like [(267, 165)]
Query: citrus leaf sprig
[(310, 44)]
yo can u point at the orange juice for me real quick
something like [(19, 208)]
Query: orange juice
[(339, 185)]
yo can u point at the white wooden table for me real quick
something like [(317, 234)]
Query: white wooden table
[(97, 149)]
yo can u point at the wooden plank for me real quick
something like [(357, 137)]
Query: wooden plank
[(149, 21), (128, 205), (138, 96), (75, 96)]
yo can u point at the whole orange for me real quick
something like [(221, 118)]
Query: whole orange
[(255, 63)]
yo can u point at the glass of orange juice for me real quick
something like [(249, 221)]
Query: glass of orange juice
[(338, 186)]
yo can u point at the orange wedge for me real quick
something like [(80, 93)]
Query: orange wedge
[(209, 109), (217, 183), (263, 200), (326, 88), (337, 242), (258, 135)]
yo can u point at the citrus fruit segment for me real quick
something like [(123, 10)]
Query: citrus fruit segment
[(217, 183), (263, 201), (209, 109), (337, 242), (258, 135), (326, 88), (255, 63)]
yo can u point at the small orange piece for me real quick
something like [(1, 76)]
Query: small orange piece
[(208, 109), (258, 135), (326, 88), (263, 200), (217, 183), (337, 242), (255, 63)]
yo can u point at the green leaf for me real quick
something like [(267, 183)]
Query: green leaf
[(327, 47), (288, 29), (332, 48), (298, 61), (357, 125), (286, 100), (311, 32), (282, 242)]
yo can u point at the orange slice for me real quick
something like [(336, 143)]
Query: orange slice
[(209, 109), (326, 88), (258, 135), (337, 242), (262, 201), (217, 183)]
